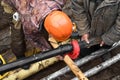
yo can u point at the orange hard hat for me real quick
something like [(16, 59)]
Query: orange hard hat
[(58, 25)]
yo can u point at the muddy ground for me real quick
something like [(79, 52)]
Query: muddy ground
[(111, 73)]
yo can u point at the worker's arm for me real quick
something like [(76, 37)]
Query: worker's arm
[(113, 35), (80, 16)]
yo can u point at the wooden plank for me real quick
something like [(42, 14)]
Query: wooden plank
[(74, 68), (69, 61)]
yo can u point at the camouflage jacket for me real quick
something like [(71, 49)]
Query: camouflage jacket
[(104, 21), (32, 13)]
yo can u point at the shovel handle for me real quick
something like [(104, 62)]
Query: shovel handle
[(74, 68)]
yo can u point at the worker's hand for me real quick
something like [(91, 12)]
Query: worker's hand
[(59, 57), (85, 38), (102, 43)]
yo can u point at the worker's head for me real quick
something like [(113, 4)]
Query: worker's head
[(58, 25)]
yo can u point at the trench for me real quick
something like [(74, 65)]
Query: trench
[(110, 73)]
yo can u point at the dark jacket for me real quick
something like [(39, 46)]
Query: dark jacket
[(104, 21), (32, 13)]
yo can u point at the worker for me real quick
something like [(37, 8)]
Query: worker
[(97, 18), (39, 19)]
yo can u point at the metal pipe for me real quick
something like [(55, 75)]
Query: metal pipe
[(101, 66), (35, 58), (63, 49), (80, 62)]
